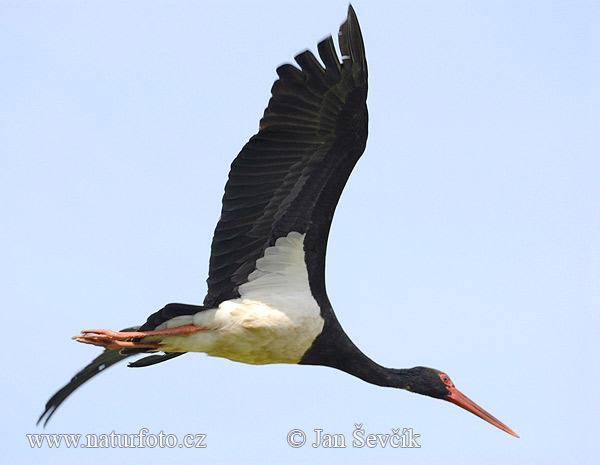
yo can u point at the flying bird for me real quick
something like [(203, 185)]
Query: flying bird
[(266, 299)]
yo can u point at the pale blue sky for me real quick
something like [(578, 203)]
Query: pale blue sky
[(467, 238)]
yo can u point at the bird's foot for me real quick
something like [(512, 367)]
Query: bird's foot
[(110, 339)]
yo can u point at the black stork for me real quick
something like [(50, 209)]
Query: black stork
[(266, 299)]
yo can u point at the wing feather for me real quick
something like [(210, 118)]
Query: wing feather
[(290, 175)]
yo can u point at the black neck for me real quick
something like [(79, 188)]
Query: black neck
[(334, 348)]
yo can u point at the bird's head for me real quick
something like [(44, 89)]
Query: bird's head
[(434, 383)]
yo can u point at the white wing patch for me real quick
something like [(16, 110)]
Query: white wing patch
[(281, 272), (275, 320)]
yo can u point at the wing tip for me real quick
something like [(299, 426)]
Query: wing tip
[(106, 359), (351, 41)]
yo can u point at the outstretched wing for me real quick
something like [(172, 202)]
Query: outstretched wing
[(289, 176)]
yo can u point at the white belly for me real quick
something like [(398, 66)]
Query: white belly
[(275, 320)]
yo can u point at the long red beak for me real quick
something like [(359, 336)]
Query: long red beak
[(458, 398)]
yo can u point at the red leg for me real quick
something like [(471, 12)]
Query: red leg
[(110, 339), (113, 344), (185, 329)]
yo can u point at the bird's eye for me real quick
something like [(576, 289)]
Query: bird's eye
[(445, 379)]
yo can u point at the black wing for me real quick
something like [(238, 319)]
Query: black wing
[(106, 359), (289, 176)]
